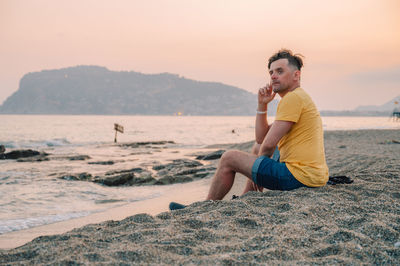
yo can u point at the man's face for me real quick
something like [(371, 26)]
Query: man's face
[(282, 76)]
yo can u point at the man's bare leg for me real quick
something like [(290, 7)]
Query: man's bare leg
[(230, 163), (250, 184)]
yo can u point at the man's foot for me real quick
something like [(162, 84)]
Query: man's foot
[(176, 206)]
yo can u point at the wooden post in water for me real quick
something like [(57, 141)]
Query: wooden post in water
[(117, 128)]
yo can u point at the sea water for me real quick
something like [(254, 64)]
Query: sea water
[(32, 194)]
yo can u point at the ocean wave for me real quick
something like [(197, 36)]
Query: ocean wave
[(57, 142), (7, 226), (35, 144)]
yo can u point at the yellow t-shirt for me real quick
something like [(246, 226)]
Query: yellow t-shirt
[(302, 148)]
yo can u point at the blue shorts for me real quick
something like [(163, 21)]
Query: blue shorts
[(273, 175)]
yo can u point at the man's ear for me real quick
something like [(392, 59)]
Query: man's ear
[(297, 75)]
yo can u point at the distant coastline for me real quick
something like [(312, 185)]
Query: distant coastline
[(322, 113), (356, 113), (95, 90)]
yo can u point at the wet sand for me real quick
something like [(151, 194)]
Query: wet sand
[(348, 224)]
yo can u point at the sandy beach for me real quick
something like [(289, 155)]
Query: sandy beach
[(356, 223)]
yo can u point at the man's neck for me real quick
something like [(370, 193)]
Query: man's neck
[(283, 93)]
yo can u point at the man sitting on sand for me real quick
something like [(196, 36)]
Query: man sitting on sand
[(297, 130)]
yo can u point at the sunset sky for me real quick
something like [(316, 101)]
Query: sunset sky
[(351, 48)]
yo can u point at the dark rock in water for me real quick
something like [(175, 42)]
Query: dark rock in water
[(69, 177), (190, 171), (211, 156), (85, 176), (2, 149), (22, 154), (79, 177), (181, 171), (123, 178), (102, 162), (201, 175), (167, 180), (38, 158), (138, 144), (115, 180), (179, 163), (147, 180), (79, 158), (199, 171), (134, 170)]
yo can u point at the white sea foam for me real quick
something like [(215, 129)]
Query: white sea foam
[(7, 226), (35, 144), (57, 142)]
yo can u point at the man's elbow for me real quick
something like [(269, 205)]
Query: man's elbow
[(267, 150)]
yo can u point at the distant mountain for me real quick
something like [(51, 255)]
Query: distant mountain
[(387, 107), (368, 110), (97, 90)]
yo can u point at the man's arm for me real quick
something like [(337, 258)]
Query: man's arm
[(262, 127), (277, 130), (265, 96)]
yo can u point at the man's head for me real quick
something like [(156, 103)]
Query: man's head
[(284, 69)]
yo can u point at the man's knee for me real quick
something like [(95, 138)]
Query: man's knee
[(229, 156), (237, 161), (231, 159)]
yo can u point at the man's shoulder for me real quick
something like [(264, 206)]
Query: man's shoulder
[(293, 97), (301, 95), (290, 107), (300, 92)]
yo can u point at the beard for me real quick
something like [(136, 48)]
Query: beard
[(279, 87)]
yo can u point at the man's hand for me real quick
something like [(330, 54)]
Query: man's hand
[(265, 95)]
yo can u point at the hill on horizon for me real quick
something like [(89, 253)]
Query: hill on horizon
[(385, 109), (389, 106), (97, 90)]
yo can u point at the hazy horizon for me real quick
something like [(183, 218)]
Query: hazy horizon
[(350, 48)]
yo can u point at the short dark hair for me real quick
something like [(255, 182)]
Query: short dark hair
[(294, 59)]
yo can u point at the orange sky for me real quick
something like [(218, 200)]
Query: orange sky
[(351, 48)]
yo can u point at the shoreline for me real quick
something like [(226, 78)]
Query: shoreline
[(335, 224), (193, 192)]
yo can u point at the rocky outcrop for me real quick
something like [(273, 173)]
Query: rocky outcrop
[(211, 156), (81, 177), (103, 162), (97, 90), (178, 171), (133, 170), (78, 157), (181, 171), (146, 143), (38, 158), (127, 179), (177, 164), (18, 154), (117, 178)]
